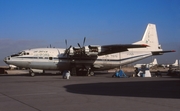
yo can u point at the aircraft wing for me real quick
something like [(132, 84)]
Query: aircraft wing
[(108, 49), (161, 52)]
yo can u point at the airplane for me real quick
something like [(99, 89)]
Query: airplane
[(12, 66), (175, 64), (88, 58), (149, 65)]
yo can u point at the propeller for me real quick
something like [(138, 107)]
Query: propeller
[(82, 48), (83, 42), (67, 49), (79, 45)]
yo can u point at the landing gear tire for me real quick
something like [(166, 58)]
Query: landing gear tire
[(91, 73), (32, 74)]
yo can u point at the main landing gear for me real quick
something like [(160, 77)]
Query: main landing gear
[(82, 72), (31, 73)]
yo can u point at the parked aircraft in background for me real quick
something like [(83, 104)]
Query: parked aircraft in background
[(175, 64), (88, 58), (12, 66), (149, 65)]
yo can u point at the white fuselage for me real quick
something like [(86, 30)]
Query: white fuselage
[(54, 59)]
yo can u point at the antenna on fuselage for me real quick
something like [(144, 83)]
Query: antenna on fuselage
[(49, 46)]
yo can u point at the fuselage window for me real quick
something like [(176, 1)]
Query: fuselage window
[(50, 58), (40, 57)]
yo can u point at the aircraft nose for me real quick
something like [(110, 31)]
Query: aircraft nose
[(6, 59)]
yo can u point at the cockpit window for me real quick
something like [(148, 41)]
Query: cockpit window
[(14, 55), (19, 54)]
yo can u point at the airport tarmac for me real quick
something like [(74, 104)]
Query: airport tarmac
[(20, 92)]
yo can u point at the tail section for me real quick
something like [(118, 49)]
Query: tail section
[(155, 62), (176, 63), (150, 38)]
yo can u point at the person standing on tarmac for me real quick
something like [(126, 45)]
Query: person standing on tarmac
[(136, 72)]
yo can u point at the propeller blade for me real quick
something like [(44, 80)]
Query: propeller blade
[(84, 41), (79, 45), (67, 51), (66, 43), (69, 47)]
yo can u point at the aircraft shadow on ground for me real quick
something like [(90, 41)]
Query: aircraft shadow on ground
[(151, 89)]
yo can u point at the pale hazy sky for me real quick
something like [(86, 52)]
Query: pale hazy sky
[(28, 24)]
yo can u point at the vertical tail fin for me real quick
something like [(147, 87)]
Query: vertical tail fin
[(154, 62), (150, 38), (176, 63)]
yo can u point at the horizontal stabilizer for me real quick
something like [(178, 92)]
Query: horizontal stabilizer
[(161, 52)]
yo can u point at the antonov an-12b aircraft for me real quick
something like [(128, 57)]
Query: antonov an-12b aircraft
[(88, 58)]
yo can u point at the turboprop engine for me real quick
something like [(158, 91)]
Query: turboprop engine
[(91, 50)]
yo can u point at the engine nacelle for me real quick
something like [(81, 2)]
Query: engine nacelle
[(91, 50)]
